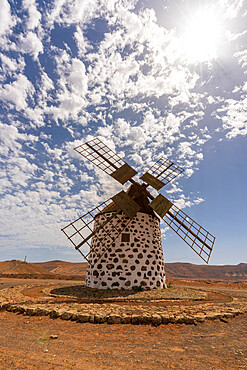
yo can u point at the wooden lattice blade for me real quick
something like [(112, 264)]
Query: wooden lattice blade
[(82, 231), (123, 173), (152, 181), (126, 204), (103, 157), (162, 172), (198, 238), (161, 205)]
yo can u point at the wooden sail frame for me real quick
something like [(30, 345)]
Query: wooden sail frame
[(161, 173), (81, 231)]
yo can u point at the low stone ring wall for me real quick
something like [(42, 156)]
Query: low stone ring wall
[(13, 300)]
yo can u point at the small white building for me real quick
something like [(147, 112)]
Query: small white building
[(135, 257)]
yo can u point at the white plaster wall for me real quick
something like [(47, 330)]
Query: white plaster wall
[(125, 265)]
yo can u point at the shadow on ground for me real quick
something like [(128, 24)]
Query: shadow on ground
[(90, 293)]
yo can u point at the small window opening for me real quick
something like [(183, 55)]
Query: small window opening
[(125, 238)]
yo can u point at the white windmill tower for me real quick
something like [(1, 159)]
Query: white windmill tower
[(123, 234)]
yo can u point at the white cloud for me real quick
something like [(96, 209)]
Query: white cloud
[(11, 66), (34, 15), (78, 78), (11, 139), (81, 42), (70, 105), (174, 189), (242, 58), (121, 128), (16, 170), (35, 116), (185, 150), (184, 202), (234, 117), (70, 97), (172, 124), (55, 153), (137, 159), (200, 156), (139, 74), (17, 92), (20, 171), (233, 7), (76, 11), (6, 21), (83, 11), (30, 44), (47, 83), (189, 172), (37, 217)]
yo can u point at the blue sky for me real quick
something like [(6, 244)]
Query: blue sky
[(148, 78)]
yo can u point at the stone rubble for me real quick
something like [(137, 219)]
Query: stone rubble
[(12, 300)]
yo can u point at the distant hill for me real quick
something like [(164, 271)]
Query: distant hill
[(173, 270), (24, 270), (214, 272), (62, 267), (19, 267)]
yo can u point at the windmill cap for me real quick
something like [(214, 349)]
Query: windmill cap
[(136, 193)]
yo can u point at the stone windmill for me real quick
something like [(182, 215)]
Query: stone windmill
[(122, 234)]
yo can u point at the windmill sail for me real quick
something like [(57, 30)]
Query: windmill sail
[(121, 224), (108, 161), (162, 172), (198, 238), (81, 231)]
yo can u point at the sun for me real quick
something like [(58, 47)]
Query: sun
[(201, 37)]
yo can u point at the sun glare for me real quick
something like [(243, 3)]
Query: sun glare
[(200, 40)]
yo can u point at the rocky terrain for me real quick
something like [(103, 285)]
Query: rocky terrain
[(181, 303)]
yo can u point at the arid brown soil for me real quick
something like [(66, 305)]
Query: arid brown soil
[(26, 343), (63, 267), (39, 342), (20, 267)]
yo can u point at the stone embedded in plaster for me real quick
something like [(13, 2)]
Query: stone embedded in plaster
[(119, 267)]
